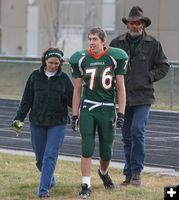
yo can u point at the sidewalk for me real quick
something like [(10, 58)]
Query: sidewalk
[(162, 171)]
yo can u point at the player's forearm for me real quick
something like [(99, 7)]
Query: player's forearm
[(121, 100), (75, 105), (76, 96), (121, 93)]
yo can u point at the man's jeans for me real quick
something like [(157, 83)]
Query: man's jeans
[(135, 121), (46, 143)]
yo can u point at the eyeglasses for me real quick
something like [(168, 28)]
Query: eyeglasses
[(137, 23), (53, 63)]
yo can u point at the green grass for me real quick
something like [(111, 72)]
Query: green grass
[(19, 180)]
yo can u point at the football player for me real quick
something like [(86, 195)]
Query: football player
[(98, 72)]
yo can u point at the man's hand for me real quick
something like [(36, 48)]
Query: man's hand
[(17, 125), (120, 120), (74, 122)]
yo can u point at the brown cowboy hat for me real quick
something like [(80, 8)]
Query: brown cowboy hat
[(136, 14)]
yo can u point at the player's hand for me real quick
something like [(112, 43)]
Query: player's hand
[(74, 122), (17, 125), (120, 120)]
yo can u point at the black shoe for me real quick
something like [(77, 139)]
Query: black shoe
[(85, 191), (135, 180), (45, 196), (108, 184), (126, 181)]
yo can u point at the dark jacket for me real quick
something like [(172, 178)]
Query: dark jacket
[(147, 65), (46, 98)]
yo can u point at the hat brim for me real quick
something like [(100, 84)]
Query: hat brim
[(146, 20)]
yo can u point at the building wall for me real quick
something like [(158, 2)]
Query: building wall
[(13, 22), (73, 18)]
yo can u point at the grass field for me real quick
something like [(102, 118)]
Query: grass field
[(13, 77), (19, 181)]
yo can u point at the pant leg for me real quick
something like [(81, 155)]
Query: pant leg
[(87, 131), (139, 122), (105, 117), (38, 141), (126, 139), (55, 138)]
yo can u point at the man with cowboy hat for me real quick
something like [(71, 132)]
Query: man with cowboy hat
[(147, 64)]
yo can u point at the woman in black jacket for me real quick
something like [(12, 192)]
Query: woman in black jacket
[(47, 95)]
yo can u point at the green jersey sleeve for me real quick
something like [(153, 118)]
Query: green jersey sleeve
[(120, 59), (75, 63)]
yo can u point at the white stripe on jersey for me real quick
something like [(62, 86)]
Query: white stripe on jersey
[(79, 64), (114, 61)]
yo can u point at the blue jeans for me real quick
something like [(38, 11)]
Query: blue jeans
[(46, 143), (135, 121)]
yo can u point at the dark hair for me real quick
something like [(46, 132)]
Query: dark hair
[(100, 32), (52, 52)]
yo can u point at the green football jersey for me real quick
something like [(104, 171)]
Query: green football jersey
[(98, 72)]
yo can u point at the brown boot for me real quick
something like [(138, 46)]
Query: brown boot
[(126, 181), (135, 180)]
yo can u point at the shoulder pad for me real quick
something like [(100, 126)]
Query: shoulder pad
[(77, 56), (117, 53)]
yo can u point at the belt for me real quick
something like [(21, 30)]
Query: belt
[(97, 104)]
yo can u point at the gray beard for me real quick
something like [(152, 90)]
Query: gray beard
[(134, 33)]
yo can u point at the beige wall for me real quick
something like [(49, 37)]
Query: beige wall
[(75, 20), (13, 18)]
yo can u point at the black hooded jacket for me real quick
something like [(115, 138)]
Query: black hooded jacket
[(47, 99)]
